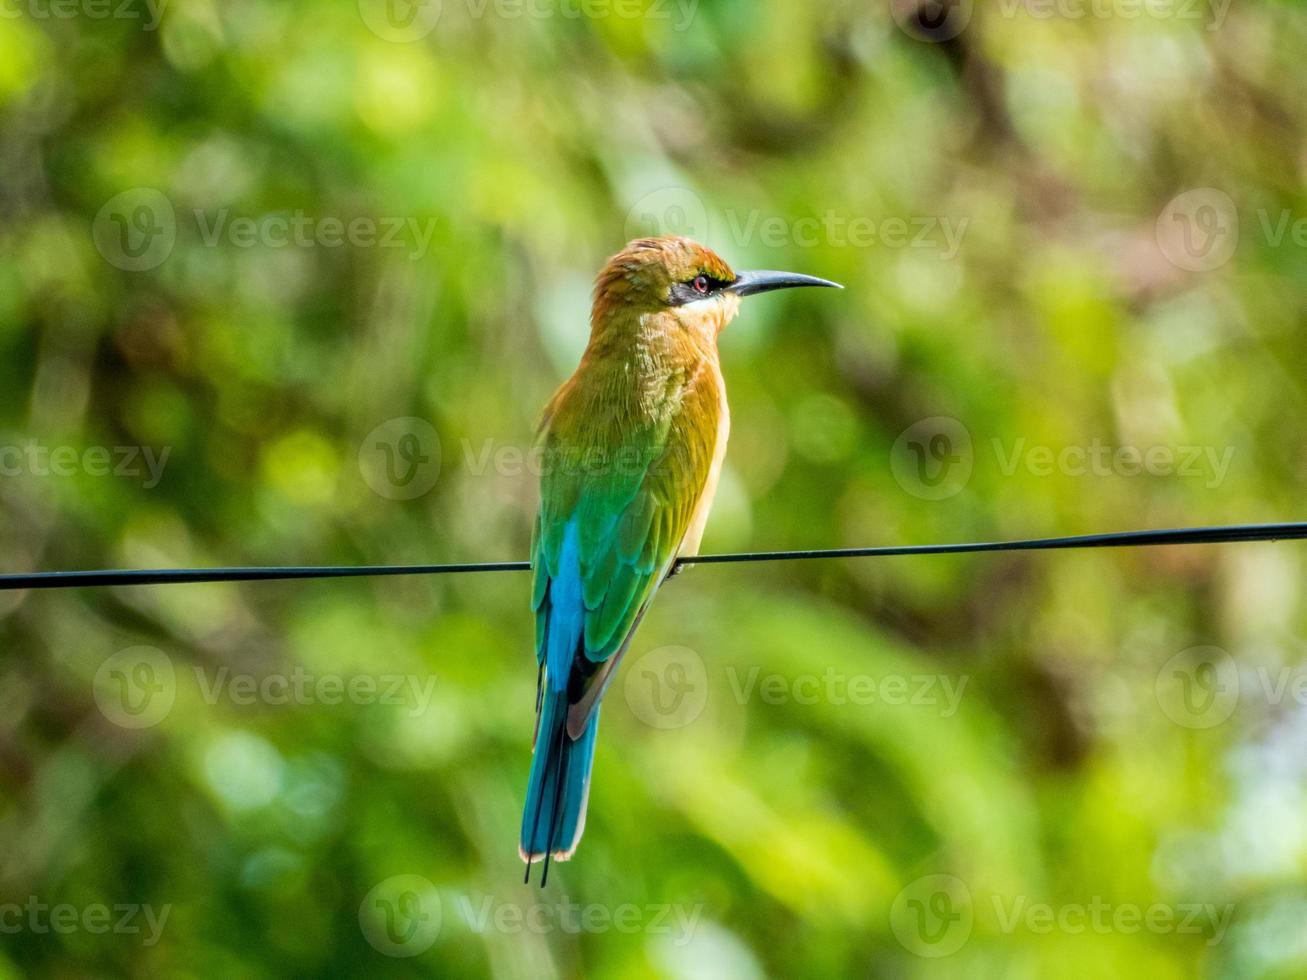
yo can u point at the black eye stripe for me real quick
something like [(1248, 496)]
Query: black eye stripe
[(685, 292)]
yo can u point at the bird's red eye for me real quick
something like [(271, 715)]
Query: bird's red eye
[(701, 284)]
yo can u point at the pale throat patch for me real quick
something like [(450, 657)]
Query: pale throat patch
[(712, 312)]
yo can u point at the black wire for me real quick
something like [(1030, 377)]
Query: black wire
[(1120, 539), (176, 576)]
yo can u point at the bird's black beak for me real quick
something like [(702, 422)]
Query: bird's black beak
[(758, 281)]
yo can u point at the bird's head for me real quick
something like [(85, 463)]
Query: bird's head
[(682, 280)]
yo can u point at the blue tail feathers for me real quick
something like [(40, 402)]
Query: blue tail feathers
[(560, 766), (560, 785)]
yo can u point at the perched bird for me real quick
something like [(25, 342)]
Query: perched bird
[(632, 446)]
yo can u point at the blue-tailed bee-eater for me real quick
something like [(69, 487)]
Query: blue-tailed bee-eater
[(632, 447)]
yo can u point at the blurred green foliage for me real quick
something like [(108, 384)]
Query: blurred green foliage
[(514, 147)]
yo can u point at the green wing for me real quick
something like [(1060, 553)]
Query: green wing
[(632, 488)]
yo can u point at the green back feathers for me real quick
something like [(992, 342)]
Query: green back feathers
[(630, 473)]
